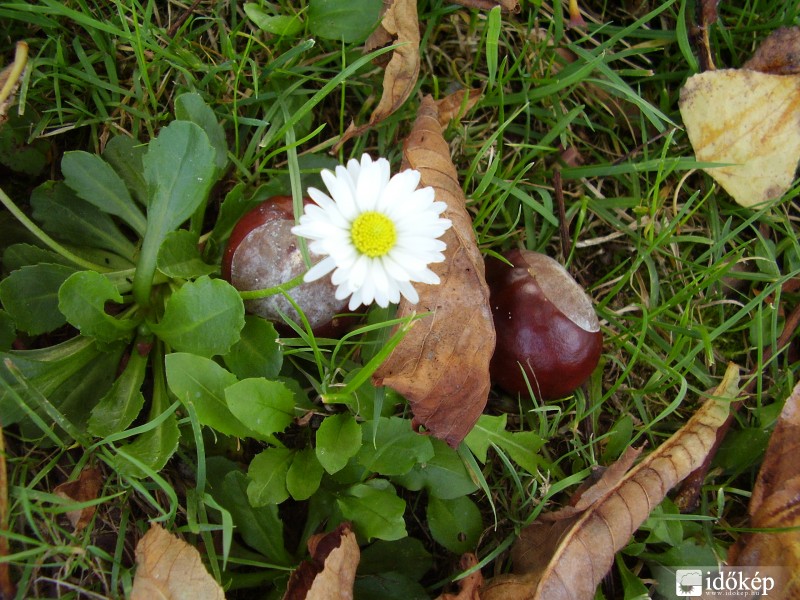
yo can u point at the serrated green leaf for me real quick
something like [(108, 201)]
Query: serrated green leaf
[(523, 448), (125, 155), (17, 256), (388, 585), (391, 447), (30, 296), (203, 382), (265, 407), (456, 524), (407, 556), (282, 25), (257, 353), (203, 317), (487, 429), (82, 298), (179, 171), (338, 440), (95, 181), (267, 474), (191, 107), (67, 217), (343, 20), (179, 256), (153, 448), (123, 402), (305, 475), (444, 475), (375, 510)]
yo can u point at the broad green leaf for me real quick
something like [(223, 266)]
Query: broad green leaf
[(375, 510), (305, 474), (407, 556), (48, 369), (487, 429), (343, 20), (191, 107), (121, 405), (456, 524), (17, 256), (153, 448), (257, 353), (30, 296), (267, 474), (444, 475), (82, 298), (203, 317), (203, 382), (95, 181), (388, 585), (265, 407), (260, 528), (125, 155), (67, 217), (391, 447), (179, 256), (283, 25), (179, 171), (338, 439), (8, 332)]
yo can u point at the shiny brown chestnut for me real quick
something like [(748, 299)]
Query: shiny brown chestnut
[(263, 252), (545, 322)]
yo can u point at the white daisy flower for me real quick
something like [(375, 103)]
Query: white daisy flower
[(378, 234)]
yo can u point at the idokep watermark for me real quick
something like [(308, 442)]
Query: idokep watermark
[(729, 582)]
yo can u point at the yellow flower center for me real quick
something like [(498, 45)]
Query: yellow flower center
[(373, 234)]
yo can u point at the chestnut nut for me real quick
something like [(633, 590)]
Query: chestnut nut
[(262, 252), (545, 323)]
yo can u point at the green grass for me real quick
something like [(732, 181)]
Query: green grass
[(683, 279)]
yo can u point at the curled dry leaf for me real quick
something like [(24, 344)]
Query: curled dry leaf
[(565, 554), (170, 569), (83, 489), (399, 25), (456, 105), (470, 586), (442, 364), (750, 120), (774, 505), (331, 571)]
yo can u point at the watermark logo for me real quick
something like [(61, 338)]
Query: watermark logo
[(728, 582)]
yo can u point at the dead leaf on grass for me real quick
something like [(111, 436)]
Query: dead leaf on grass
[(778, 54), (565, 555), (456, 105), (749, 119), (442, 364), (469, 587), (84, 489), (331, 571), (170, 569), (774, 505), (399, 25)]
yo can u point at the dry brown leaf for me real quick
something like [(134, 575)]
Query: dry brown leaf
[(456, 105), (506, 5), (331, 571), (774, 504), (170, 569), (399, 25), (83, 489), (779, 54), (10, 78), (564, 555), (441, 366), (749, 119), (470, 586)]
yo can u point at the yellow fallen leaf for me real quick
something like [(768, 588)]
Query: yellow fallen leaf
[(167, 568), (749, 119)]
